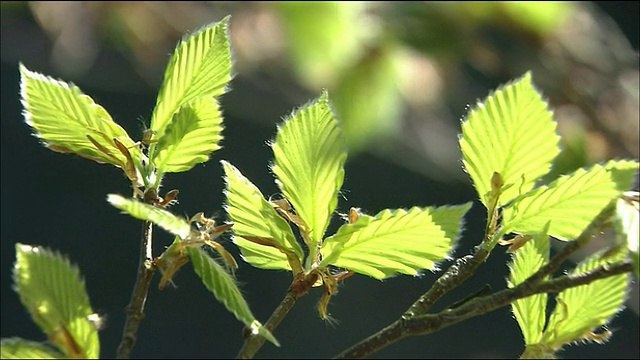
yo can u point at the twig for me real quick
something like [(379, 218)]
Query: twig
[(254, 342), (135, 309), (426, 324)]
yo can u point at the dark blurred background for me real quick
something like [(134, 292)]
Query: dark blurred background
[(401, 76)]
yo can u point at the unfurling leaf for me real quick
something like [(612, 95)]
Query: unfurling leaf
[(199, 68), (225, 289), (192, 135), (530, 311), (54, 294), (68, 121), (582, 309), (395, 241), (512, 132), (309, 155), (264, 237), (160, 217)]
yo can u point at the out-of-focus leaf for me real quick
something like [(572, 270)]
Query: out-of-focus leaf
[(16, 348), (54, 294)]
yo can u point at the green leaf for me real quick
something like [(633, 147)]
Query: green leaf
[(626, 224), (63, 117), (54, 294), (16, 348), (160, 217), (579, 310), (511, 133), (622, 172), (254, 217), (569, 202), (530, 311), (199, 67), (309, 155), (225, 289), (192, 135), (395, 241)]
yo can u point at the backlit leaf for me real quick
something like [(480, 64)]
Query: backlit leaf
[(199, 67), (64, 118), (395, 241), (192, 135), (254, 217), (512, 132), (54, 294), (582, 309), (530, 311), (160, 217), (569, 202), (309, 155)]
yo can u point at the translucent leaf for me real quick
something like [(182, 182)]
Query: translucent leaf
[(530, 311), (225, 289), (64, 118), (260, 256), (622, 172), (254, 217), (580, 310), (199, 67), (55, 296), (570, 203), (395, 241), (192, 135), (511, 133), (160, 217), (309, 156), (16, 348)]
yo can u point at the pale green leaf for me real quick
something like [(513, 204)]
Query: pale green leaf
[(309, 155), (225, 289), (512, 132), (53, 292), (570, 203), (199, 67), (160, 217), (395, 241), (582, 309), (192, 135), (626, 224), (16, 348), (261, 256), (62, 117), (622, 172), (530, 311), (253, 216)]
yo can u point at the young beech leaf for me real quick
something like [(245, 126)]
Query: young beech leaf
[(225, 289), (199, 67), (512, 132), (309, 154), (530, 311), (160, 217), (264, 237), (192, 135), (68, 121), (395, 241), (569, 202), (626, 224), (53, 292), (16, 348), (581, 310)]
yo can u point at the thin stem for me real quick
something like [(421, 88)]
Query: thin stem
[(135, 309), (254, 342), (426, 324)]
